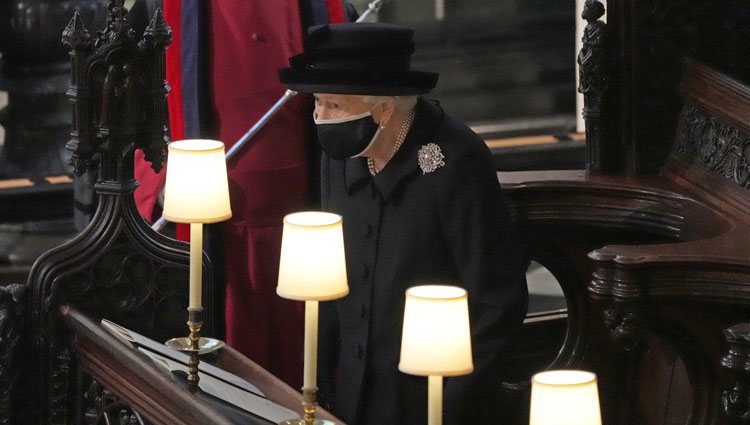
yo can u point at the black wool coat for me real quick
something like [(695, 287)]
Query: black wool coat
[(406, 227)]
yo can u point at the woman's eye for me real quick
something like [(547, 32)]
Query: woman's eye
[(333, 106)]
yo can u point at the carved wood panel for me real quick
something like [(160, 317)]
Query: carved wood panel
[(102, 407), (715, 145), (117, 267), (649, 39)]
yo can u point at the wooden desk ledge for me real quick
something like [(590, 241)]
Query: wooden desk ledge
[(161, 396)]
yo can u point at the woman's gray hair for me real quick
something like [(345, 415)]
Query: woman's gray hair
[(403, 103)]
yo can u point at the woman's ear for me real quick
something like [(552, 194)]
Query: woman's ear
[(383, 112)]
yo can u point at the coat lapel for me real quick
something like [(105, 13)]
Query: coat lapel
[(355, 173)]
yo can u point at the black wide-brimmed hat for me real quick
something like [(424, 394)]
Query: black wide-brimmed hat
[(357, 58)]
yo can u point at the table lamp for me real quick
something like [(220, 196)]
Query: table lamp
[(196, 192), (436, 340), (564, 397), (312, 268)]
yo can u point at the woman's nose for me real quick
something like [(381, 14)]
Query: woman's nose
[(321, 113)]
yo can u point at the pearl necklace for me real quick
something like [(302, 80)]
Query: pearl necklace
[(402, 132)]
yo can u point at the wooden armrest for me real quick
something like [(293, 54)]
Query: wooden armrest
[(715, 269), (731, 249), (702, 250), (651, 204)]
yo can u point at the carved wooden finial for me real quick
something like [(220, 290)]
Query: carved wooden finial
[(156, 37), (78, 38), (117, 9), (158, 32), (118, 94), (75, 34), (118, 27)]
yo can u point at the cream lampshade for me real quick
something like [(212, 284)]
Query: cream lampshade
[(436, 340), (196, 190), (312, 265), (564, 397), (312, 268)]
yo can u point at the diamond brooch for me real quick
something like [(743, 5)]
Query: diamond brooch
[(430, 158)]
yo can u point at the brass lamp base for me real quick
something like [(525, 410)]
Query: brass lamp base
[(205, 345), (194, 345), (309, 401)]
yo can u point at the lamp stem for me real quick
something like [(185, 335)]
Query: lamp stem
[(309, 384), (311, 345), (195, 306), (196, 265), (434, 400)]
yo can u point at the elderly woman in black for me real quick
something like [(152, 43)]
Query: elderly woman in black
[(421, 205)]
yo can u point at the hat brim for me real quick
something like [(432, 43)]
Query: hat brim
[(373, 83)]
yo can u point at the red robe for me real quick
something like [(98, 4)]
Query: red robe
[(248, 42)]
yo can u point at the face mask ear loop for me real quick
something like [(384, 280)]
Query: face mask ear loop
[(374, 136), (369, 145)]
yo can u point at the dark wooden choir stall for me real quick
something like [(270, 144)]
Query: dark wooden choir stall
[(58, 364), (651, 243)]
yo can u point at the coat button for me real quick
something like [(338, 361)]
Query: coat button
[(368, 230), (363, 271), (257, 37), (363, 312), (360, 351)]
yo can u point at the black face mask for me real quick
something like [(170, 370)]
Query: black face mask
[(348, 137)]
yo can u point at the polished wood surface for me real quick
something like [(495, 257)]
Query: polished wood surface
[(656, 268), (162, 397)]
